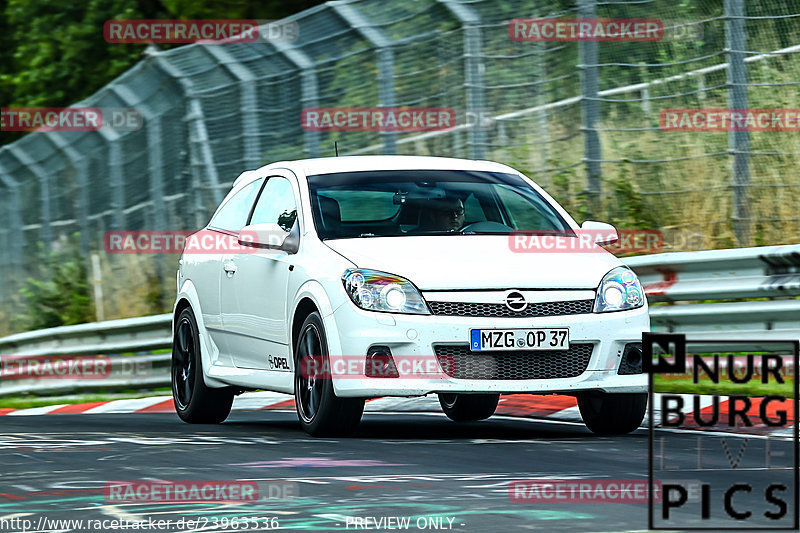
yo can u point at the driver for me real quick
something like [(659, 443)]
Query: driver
[(446, 215)]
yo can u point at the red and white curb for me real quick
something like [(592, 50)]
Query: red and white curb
[(153, 404), (555, 407)]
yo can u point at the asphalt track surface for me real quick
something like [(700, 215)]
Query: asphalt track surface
[(412, 465)]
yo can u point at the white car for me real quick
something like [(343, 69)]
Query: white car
[(363, 277)]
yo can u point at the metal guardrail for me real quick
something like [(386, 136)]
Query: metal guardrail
[(111, 336), (770, 274), (124, 342), (675, 283)]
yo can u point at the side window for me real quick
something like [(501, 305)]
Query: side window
[(276, 204), (473, 211), (523, 212), (232, 216)]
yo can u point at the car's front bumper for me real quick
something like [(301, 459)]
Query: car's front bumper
[(352, 331)]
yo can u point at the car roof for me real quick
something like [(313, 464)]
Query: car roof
[(330, 165)]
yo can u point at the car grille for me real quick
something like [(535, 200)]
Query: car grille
[(458, 361), (570, 307)]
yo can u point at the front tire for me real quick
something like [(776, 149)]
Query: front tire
[(194, 401), (612, 414), (468, 407), (320, 411)]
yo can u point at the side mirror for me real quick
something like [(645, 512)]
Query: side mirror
[(601, 232), (271, 236)]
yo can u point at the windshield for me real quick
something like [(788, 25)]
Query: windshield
[(390, 203)]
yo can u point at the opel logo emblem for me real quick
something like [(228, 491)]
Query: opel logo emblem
[(516, 301)]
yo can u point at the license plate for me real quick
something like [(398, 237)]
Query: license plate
[(482, 340)]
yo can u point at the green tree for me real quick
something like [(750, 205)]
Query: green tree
[(61, 294), (53, 53)]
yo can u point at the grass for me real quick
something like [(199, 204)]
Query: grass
[(683, 384), (754, 388), (29, 401)]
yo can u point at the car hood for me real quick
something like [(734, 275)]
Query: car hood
[(475, 262)]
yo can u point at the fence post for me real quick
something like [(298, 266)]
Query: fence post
[(5, 237), (80, 164), (15, 218), (201, 158), (701, 86), (154, 140), (249, 104), (309, 89), (590, 110), (738, 141), (386, 94), (153, 132), (45, 231), (473, 75), (385, 56), (97, 288), (82, 181), (646, 107), (115, 177), (541, 100), (152, 125), (117, 183)]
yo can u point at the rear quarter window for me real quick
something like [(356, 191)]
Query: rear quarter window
[(232, 216)]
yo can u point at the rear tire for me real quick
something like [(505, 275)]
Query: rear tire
[(320, 411), (194, 402), (612, 414), (468, 407)]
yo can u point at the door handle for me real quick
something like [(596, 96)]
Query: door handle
[(230, 268)]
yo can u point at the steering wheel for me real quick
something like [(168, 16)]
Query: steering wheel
[(487, 226)]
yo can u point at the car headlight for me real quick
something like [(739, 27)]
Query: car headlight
[(373, 290), (619, 290)]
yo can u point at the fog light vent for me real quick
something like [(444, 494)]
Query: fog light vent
[(380, 363), (631, 359)]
